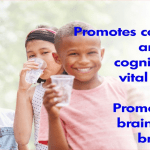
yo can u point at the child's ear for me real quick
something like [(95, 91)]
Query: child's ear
[(56, 58), (102, 53)]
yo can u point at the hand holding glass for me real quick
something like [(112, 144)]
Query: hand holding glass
[(33, 75), (64, 85)]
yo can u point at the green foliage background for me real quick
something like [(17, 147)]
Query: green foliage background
[(17, 19)]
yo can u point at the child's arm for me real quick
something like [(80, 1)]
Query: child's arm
[(23, 118), (135, 97), (57, 140), (24, 112)]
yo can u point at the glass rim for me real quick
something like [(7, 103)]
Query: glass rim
[(44, 64)]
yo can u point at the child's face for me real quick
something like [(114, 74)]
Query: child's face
[(43, 49), (81, 56)]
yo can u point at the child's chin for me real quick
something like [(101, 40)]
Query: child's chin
[(44, 77), (83, 79)]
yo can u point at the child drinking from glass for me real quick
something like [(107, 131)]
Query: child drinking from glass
[(39, 44)]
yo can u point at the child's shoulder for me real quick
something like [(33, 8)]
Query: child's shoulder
[(31, 91), (116, 84), (114, 81), (130, 91)]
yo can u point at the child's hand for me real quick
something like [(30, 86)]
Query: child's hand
[(27, 66), (49, 103)]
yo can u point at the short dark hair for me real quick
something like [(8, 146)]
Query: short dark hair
[(68, 30)]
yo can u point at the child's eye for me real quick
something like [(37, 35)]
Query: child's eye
[(31, 56), (92, 52), (45, 52), (73, 54)]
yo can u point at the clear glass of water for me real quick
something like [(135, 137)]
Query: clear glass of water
[(64, 84), (33, 75)]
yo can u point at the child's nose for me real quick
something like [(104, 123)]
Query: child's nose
[(83, 60), (39, 56)]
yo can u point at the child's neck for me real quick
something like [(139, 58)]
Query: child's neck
[(94, 82), (48, 81)]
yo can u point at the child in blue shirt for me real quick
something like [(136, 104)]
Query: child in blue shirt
[(7, 139)]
